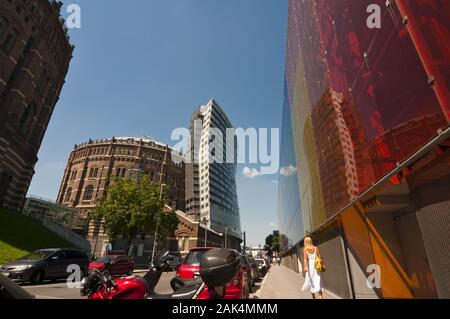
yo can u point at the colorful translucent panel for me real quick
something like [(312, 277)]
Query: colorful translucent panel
[(361, 99)]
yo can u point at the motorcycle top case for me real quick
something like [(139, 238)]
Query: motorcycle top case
[(219, 266)]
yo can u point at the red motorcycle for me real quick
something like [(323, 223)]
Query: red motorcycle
[(217, 267)]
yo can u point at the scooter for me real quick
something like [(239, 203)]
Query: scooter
[(217, 267)]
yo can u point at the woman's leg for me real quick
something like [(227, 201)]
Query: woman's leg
[(321, 294)]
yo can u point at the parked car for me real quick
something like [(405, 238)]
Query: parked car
[(45, 264), (174, 262), (262, 266), (268, 263), (247, 268), (254, 267), (190, 266), (114, 265), (238, 288)]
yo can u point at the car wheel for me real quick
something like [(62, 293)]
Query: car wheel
[(37, 278), (130, 271)]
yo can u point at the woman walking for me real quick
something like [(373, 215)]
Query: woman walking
[(313, 280)]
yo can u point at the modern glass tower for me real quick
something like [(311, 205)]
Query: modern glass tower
[(211, 195)]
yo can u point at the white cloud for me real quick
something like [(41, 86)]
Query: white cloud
[(250, 172), (272, 224), (288, 170)]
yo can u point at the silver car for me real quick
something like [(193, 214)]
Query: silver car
[(45, 264)]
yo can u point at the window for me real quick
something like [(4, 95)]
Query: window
[(93, 172), (68, 195), (59, 254), (11, 40), (88, 192), (120, 172), (27, 117)]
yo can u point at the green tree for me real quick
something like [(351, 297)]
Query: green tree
[(273, 243), (276, 241), (132, 207)]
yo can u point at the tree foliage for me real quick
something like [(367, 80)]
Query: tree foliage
[(272, 243), (132, 207)]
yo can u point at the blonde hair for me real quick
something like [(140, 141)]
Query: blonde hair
[(308, 242)]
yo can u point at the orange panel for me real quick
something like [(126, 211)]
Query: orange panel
[(357, 237), (395, 282)]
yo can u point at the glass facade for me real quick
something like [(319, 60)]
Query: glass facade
[(359, 103), (358, 100), (289, 215), (211, 186)]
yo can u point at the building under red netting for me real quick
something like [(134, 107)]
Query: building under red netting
[(366, 124)]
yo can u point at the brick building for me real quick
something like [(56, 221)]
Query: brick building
[(35, 53), (189, 234), (92, 165)]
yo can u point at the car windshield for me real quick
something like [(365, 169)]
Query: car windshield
[(37, 255), (103, 259), (260, 262), (194, 257)]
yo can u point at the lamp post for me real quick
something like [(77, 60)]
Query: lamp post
[(244, 234), (226, 243), (155, 238), (205, 221)]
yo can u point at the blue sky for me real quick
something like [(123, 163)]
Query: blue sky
[(141, 67)]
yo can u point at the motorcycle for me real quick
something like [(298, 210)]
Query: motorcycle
[(217, 267)]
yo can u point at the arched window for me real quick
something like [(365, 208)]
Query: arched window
[(93, 172), (27, 117), (11, 40), (68, 195), (3, 26), (88, 192)]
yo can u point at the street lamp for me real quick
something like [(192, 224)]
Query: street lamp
[(205, 221), (244, 235), (155, 238), (226, 244)]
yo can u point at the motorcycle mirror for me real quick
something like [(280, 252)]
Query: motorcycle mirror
[(161, 256)]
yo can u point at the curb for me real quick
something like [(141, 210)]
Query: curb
[(258, 293)]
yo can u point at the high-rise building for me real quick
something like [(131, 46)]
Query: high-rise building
[(366, 163), (211, 195), (35, 53)]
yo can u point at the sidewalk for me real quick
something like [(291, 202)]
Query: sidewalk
[(283, 283)]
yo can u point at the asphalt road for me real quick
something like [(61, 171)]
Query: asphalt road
[(59, 289)]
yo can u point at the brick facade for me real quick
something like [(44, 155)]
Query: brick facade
[(35, 53), (92, 165)]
